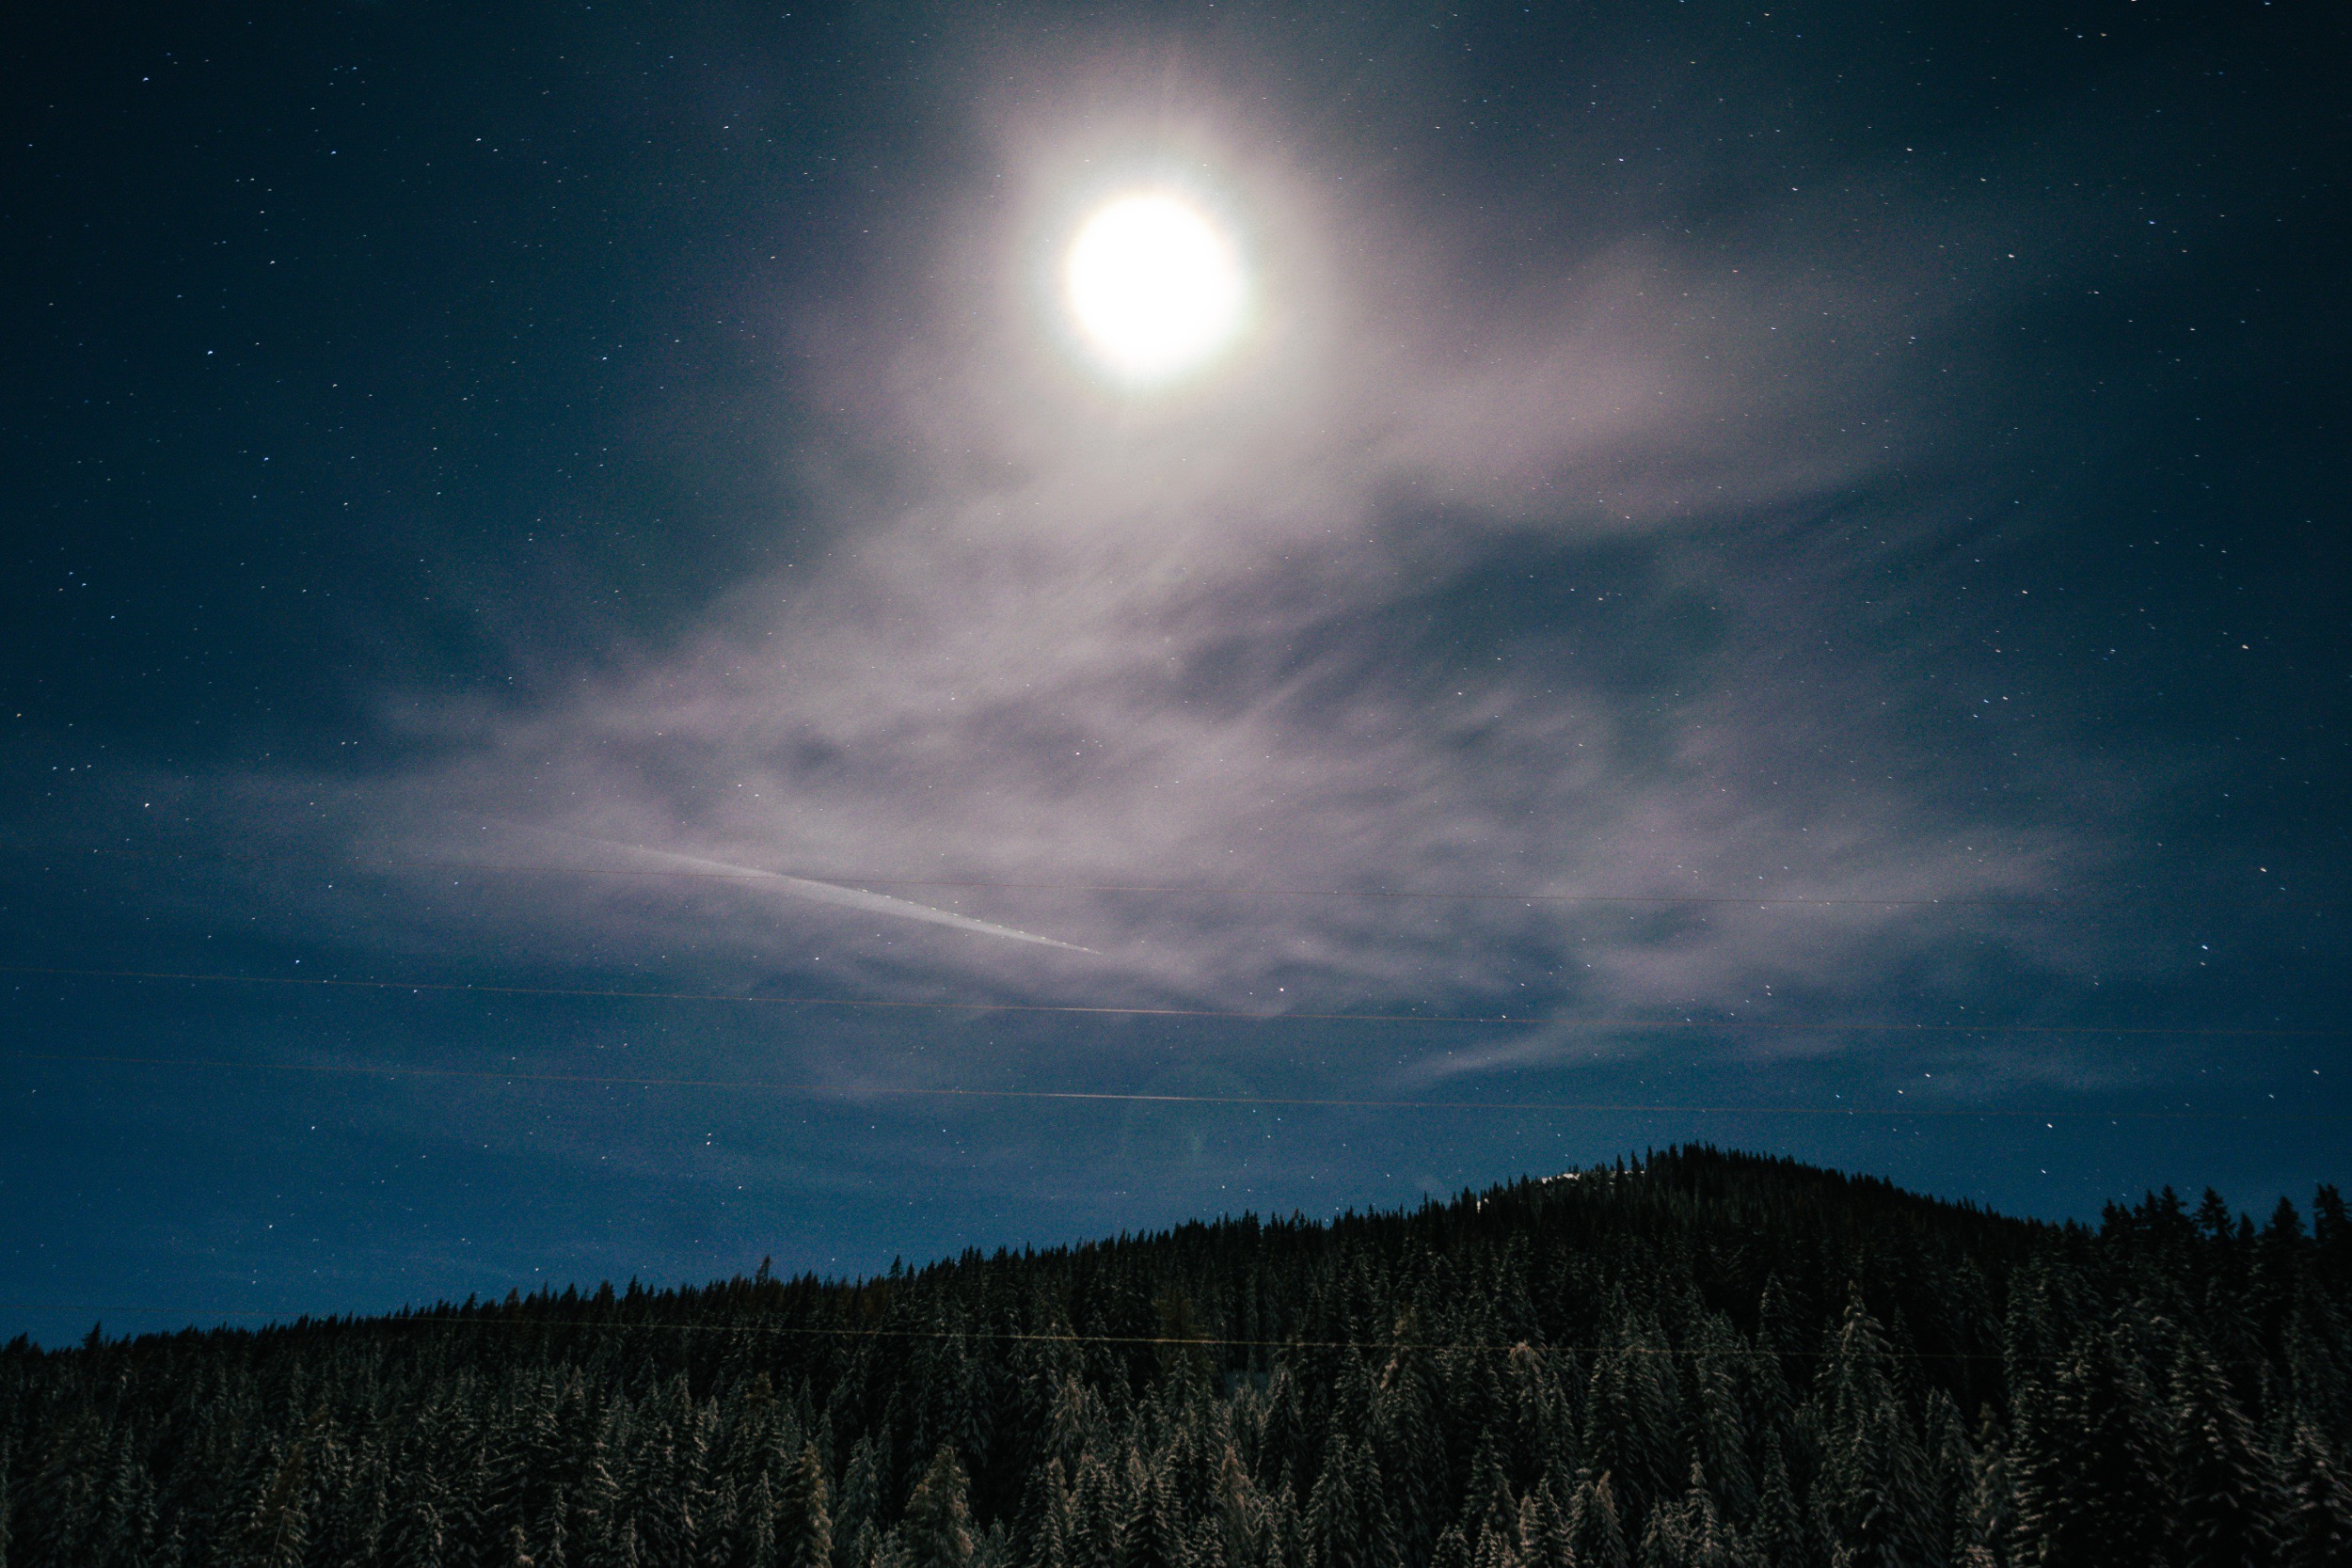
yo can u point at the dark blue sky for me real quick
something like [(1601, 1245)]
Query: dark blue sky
[(1834, 511)]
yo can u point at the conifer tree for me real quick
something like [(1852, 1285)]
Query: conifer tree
[(1240, 1512), (1544, 1528), (419, 1538), (2220, 1505), (1044, 1535), (758, 1544), (1872, 1496), (1778, 1538), (1691, 1532), (1985, 1516), (2090, 1492), (803, 1518), (1097, 1516), (1153, 1538), (936, 1531), (1383, 1542), (1498, 1545), (1596, 1534), (1488, 1497), (273, 1530), (1204, 1546), (1722, 1418), (861, 1501), (1332, 1515), (2316, 1529)]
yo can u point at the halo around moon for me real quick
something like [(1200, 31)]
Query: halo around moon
[(1154, 287)]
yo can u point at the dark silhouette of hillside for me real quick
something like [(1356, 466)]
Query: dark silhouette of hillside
[(1704, 1357)]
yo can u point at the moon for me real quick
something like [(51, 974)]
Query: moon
[(1154, 287)]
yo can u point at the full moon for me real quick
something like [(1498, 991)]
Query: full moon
[(1154, 287)]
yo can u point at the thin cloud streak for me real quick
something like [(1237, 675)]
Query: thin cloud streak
[(847, 898)]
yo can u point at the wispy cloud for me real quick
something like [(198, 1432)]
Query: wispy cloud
[(1558, 596), (861, 899)]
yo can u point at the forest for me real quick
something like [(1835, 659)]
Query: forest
[(1695, 1357)]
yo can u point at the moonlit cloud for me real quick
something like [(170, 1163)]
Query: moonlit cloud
[(1464, 608), (840, 897)]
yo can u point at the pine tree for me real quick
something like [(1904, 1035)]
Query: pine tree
[(1153, 1538), (2090, 1463), (1544, 1528), (1042, 1539), (1097, 1516), (936, 1531), (418, 1535), (804, 1521), (1778, 1538), (1985, 1517), (1332, 1515), (1240, 1512), (273, 1530), (1691, 1534), (758, 1548), (1721, 1414), (1498, 1545), (861, 1502), (126, 1511), (2219, 1509), (1596, 1534), (1384, 1546), (1489, 1500), (59, 1510), (1872, 1497), (2316, 1531)]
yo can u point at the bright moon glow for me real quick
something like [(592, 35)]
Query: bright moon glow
[(1154, 287)]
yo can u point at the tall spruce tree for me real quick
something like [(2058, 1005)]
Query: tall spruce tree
[(936, 1530), (804, 1530), (2315, 1530), (2092, 1485), (2221, 1504), (1595, 1533), (1872, 1495)]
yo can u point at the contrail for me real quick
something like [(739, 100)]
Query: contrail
[(850, 897)]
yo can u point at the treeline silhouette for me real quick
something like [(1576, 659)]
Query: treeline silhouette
[(1702, 1357)]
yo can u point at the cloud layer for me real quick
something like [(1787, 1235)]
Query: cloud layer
[(1431, 588)]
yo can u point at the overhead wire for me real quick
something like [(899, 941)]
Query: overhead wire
[(861, 1091), (1237, 1015), (432, 1319)]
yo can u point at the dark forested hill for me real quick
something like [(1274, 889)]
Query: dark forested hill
[(1705, 1358)]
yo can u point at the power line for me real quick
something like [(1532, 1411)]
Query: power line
[(855, 1091), (850, 879), (432, 1319), (1498, 1020), (429, 1318)]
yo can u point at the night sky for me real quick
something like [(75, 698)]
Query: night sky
[(1805, 539)]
